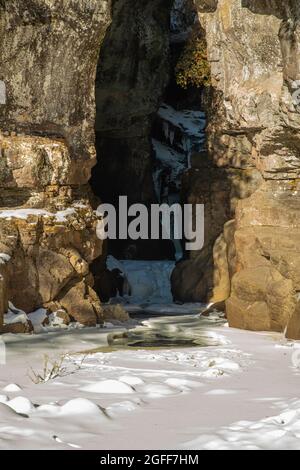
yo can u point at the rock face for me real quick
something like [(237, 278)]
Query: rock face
[(130, 83), (254, 139), (48, 57)]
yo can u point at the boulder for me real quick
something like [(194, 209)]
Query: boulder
[(115, 312)]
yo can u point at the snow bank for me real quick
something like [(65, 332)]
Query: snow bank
[(21, 405), (108, 386), (279, 432), (190, 395), (12, 388), (15, 315)]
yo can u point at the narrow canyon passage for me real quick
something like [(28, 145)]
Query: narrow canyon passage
[(148, 127)]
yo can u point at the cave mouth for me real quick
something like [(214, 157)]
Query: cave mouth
[(147, 126)]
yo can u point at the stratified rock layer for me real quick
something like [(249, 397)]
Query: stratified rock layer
[(48, 57), (254, 137)]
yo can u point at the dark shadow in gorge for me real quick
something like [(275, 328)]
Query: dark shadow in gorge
[(132, 75), (135, 74)]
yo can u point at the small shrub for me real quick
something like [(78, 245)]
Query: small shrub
[(193, 68), (53, 369)]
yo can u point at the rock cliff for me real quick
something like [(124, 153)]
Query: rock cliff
[(48, 57), (253, 154)]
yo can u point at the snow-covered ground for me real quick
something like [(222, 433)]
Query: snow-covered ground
[(240, 392)]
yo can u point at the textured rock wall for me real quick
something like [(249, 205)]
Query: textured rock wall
[(133, 73), (48, 56), (254, 137)]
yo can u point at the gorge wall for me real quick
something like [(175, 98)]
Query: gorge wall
[(253, 156), (48, 57)]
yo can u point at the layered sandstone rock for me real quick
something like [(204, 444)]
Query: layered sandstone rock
[(192, 280), (254, 137), (48, 57)]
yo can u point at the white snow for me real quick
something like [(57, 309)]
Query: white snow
[(131, 380), (12, 388), (37, 319), (15, 315), (169, 158), (184, 133), (59, 216), (149, 280), (191, 123), (21, 405), (23, 213), (108, 386), (278, 432), (4, 258), (239, 392), (124, 407), (81, 406)]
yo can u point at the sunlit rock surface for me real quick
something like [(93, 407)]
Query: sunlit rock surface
[(254, 142), (48, 56)]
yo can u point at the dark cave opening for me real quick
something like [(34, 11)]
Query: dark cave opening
[(135, 86)]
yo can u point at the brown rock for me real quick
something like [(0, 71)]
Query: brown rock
[(63, 315), (54, 271), (221, 280), (261, 299), (242, 315), (115, 313), (17, 328), (3, 299), (55, 94), (79, 305), (47, 119), (293, 329), (253, 141)]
